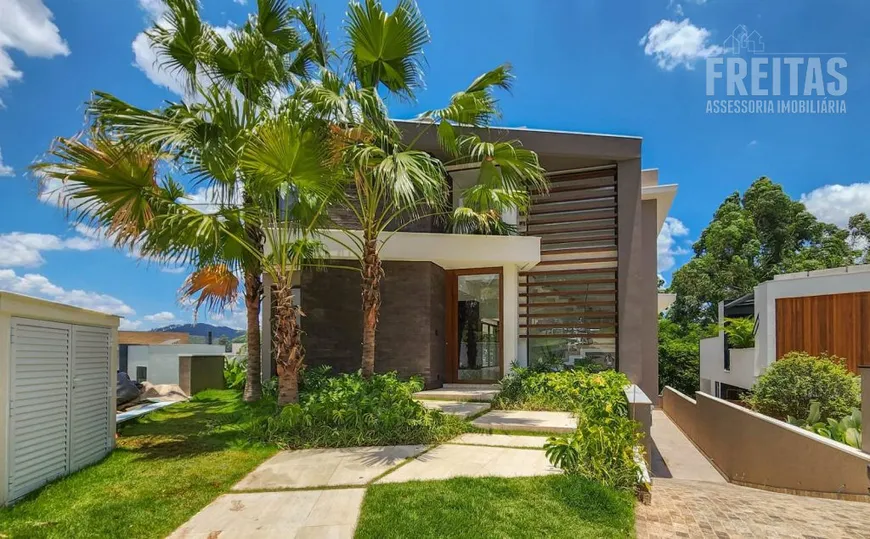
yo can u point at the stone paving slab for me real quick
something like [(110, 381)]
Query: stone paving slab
[(448, 461), (473, 394), (457, 408), (309, 468), (307, 514), (522, 420), (685, 508), (504, 440)]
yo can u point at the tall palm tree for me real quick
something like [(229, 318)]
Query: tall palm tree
[(234, 84), (390, 183)]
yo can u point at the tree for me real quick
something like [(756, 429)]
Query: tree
[(859, 229), (751, 239), (234, 84), (389, 183), (679, 354)]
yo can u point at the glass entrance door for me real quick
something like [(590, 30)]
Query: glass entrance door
[(475, 325)]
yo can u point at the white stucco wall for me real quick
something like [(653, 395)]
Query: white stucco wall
[(511, 311), (161, 360), (821, 283)]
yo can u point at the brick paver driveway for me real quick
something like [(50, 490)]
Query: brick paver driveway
[(691, 499), (683, 508)]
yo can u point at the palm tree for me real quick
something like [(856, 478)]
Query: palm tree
[(234, 84), (390, 183)]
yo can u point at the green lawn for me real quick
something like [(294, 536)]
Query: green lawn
[(167, 466), (552, 506)]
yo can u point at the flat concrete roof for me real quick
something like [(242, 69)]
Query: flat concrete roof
[(551, 146)]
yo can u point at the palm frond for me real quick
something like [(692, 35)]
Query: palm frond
[(386, 48), (215, 287)]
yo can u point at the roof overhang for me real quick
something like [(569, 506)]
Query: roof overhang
[(450, 251), (665, 301), (664, 197)]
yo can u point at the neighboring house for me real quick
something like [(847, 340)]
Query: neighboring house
[(158, 363), (816, 311), (126, 338), (578, 284)]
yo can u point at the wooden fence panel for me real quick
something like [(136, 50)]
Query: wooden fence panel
[(838, 324)]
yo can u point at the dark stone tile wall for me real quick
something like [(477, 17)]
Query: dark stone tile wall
[(410, 338)]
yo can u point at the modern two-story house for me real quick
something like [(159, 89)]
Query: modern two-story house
[(578, 284)]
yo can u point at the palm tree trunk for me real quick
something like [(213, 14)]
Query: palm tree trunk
[(288, 342), (371, 302), (253, 295)]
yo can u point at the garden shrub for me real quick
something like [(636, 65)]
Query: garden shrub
[(846, 430), (601, 449), (788, 387), (740, 332), (348, 411), (527, 389), (235, 373)]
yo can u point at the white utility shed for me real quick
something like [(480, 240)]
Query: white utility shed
[(58, 368)]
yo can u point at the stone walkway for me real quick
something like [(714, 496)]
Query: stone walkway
[(691, 499), (286, 498), (525, 421)]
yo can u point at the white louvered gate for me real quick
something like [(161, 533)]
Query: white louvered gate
[(60, 400)]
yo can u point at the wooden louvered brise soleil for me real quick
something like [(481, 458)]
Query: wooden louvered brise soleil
[(571, 293)]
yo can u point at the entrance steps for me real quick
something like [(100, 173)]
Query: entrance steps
[(460, 393)]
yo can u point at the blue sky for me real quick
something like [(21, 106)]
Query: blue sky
[(611, 66)]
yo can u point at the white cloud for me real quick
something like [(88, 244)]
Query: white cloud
[(38, 285), (154, 8), (5, 170), (753, 143), (176, 269), (209, 199), (676, 44), (26, 25), (163, 316), (25, 249), (241, 2), (667, 244), (130, 325), (836, 203)]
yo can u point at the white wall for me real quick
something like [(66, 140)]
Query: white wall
[(511, 311), (161, 360), (742, 372), (826, 282)]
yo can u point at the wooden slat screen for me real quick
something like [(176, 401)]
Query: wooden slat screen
[(571, 293), (838, 324)]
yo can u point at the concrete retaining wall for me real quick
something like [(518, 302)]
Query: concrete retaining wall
[(756, 450)]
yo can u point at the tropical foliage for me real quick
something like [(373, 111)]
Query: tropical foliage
[(795, 381), (680, 353), (348, 411), (225, 138), (388, 182), (528, 389), (846, 431), (603, 447), (235, 373), (740, 332)]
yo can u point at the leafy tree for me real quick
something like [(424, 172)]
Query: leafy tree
[(859, 228), (751, 239), (389, 183), (119, 171), (679, 354)]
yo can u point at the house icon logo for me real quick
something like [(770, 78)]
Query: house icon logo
[(742, 40)]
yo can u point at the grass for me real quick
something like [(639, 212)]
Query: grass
[(167, 466), (551, 506)]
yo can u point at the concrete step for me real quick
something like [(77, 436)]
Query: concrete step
[(458, 408), (527, 421), (461, 394)]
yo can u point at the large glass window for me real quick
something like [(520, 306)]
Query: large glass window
[(478, 316)]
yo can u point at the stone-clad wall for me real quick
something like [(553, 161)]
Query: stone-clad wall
[(410, 336)]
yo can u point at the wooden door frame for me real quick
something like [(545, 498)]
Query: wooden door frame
[(451, 322)]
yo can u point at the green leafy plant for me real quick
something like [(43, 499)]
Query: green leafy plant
[(740, 332), (790, 385), (349, 411), (846, 431), (235, 373), (598, 393), (602, 449)]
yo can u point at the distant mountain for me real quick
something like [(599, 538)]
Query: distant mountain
[(201, 330)]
